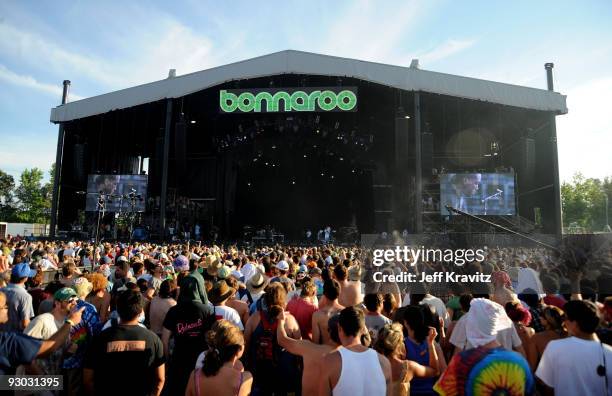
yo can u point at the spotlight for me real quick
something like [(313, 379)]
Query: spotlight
[(193, 121), (249, 184), (332, 176), (293, 182), (266, 164), (274, 147), (304, 155), (353, 171), (341, 158), (322, 174), (254, 159), (407, 117)]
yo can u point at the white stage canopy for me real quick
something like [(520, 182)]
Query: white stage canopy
[(298, 62)]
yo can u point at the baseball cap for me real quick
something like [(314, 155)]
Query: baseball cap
[(64, 294), (282, 265), (23, 270)]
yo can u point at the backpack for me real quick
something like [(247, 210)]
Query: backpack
[(266, 344)]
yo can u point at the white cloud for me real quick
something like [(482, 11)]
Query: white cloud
[(584, 134), (369, 31), (11, 77), (444, 50), (36, 51), (167, 45)]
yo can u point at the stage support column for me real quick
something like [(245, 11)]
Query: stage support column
[(164, 180), (418, 181), (555, 158), (58, 166)]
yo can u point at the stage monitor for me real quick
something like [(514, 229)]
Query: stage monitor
[(117, 190), (478, 193)]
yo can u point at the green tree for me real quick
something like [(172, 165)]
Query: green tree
[(584, 202), (33, 205), (47, 189), (7, 205)]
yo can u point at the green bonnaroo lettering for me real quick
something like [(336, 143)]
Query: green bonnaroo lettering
[(292, 100)]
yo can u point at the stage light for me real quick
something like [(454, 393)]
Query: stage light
[(254, 159), (266, 164), (353, 171), (193, 121), (304, 155), (332, 176), (407, 117), (341, 159), (322, 174), (274, 147), (249, 184), (293, 182)]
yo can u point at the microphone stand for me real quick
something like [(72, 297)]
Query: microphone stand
[(485, 201), (101, 208)]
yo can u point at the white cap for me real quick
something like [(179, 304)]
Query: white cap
[(282, 265)]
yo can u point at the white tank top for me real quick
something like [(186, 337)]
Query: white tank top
[(361, 374)]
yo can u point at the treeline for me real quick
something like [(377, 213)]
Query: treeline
[(584, 202), (30, 200)]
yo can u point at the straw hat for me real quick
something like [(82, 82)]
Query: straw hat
[(220, 292), (213, 264), (256, 283)]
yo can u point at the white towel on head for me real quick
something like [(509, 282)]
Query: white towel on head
[(485, 319)]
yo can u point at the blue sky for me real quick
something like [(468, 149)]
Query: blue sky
[(105, 46)]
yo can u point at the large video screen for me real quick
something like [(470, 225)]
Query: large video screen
[(117, 190), (478, 193)]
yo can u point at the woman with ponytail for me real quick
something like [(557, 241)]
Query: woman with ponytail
[(221, 375), (390, 343), (418, 349)]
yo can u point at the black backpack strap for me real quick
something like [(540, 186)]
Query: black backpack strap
[(249, 297)]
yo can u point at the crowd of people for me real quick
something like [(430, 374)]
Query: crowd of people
[(176, 319)]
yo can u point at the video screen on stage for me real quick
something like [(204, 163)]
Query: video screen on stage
[(117, 190), (478, 193)]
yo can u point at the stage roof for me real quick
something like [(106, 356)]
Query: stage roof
[(298, 62)]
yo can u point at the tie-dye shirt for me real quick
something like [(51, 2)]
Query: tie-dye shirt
[(81, 335), (486, 372)]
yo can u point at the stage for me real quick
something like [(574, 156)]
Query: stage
[(296, 142)]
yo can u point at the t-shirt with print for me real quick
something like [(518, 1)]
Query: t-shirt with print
[(125, 349), (229, 314), (81, 335), (188, 323), (487, 372)]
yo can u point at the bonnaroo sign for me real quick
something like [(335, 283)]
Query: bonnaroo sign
[(288, 100)]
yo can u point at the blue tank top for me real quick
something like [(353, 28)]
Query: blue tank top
[(420, 354)]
